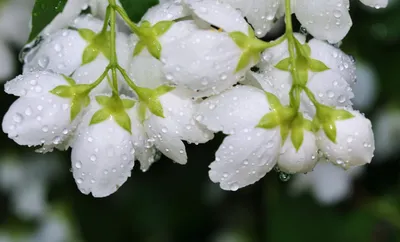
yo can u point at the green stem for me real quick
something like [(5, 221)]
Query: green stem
[(100, 79), (126, 18), (106, 19), (127, 78), (294, 92), (113, 36), (311, 96), (265, 45)]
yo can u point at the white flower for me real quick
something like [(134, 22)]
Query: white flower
[(386, 130), (331, 87), (37, 117), (354, 144), (102, 155), (65, 50), (178, 123), (71, 11), (249, 152), (261, 14), (194, 54), (329, 20), (299, 161), (328, 183)]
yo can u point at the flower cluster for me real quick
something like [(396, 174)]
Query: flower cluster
[(188, 69)]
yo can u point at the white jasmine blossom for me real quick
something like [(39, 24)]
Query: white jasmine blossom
[(354, 144), (183, 73), (329, 20)]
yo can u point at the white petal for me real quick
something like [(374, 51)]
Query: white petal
[(71, 10), (90, 72), (244, 158), (235, 110), (87, 21), (206, 62), (334, 58), (162, 133), (376, 3), (61, 52), (180, 111), (301, 161), (145, 150), (354, 142), (219, 14), (102, 157), (259, 13), (326, 20), (146, 71), (168, 11), (273, 55), (7, 61), (274, 81), (177, 125), (177, 31), (330, 89), (34, 84), (34, 121)]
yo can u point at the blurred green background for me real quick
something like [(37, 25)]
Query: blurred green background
[(173, 203)]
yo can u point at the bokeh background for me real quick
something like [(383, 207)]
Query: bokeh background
[(39, 201)]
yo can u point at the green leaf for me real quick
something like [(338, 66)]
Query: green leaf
[(317, 66), (87, 34), (44, 11), (330, 130), (137, 8), (341, 114), (306, 49), (76, 108), (297, 137), (63, 91), (128, 103), (273, 101), (69, 80), (239, 38), (161, 90), (103, 100), (269, 121), (139, 47), (161, 27), (154, 47), (124, 121), (284, 65), (156, 107), (89, 54), (142, 112), (100, 116), (284, 132), (243, 62)]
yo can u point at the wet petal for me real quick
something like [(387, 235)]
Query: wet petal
[(234, 110), (244, 158)]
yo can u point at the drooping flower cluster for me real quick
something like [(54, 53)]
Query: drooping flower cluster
[(184, 72)]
